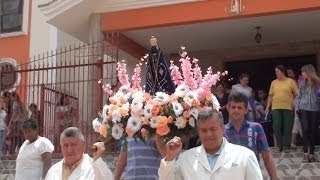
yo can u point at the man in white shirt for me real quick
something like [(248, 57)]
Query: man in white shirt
[(214, 159), (76, 165)]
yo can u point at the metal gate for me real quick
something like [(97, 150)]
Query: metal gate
[(64, 86)]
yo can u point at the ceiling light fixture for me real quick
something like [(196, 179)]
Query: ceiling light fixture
[(258, 36)]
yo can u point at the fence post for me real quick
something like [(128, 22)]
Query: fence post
[(42, 98), (99, 89)]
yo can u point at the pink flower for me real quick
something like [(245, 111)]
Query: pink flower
[(107, 89), (122, 73), (136, 80), (187, 73), (175, 73)]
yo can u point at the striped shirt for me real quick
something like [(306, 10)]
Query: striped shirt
[(143, 159), (250, 135), (307, 98)]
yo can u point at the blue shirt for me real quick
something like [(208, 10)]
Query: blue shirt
[(143, 159), (250, 135), (214, 157)]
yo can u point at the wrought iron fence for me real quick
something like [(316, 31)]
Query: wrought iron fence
[(64, 86)]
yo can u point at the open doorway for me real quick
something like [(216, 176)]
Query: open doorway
[(262, 71)]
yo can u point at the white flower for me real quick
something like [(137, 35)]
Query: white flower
[(136, 104), (147, 111), (138, 95), (181, 90), (96, 125), (117, 131), (192, 122), (105, 110), (180, 122), (189, 97), (177, 108), (116, 97), (162, 97), (116, 116), (194, 112), (124, 89), (134, 123), (215, 103), (127, 96), (154, 122)]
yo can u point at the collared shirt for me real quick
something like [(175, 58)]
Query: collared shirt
[(250, 135), (212, 158), (66, 171)]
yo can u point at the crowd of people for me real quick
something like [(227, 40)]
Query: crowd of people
[(288, 111), (229, 143), (13, 113)]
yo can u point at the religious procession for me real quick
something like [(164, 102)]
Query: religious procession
[(120, 90)]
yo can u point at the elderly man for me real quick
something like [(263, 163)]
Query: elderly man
[(248, 134), (216, 158), (75, 164)]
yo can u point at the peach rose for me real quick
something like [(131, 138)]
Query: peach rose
[(113, 100), (124, 110), (122, 100), (163, 120), (195, 102), (163, 130), (103, 130), (173, 98), (154, 110)]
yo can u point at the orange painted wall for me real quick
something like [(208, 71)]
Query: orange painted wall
[(199, 11), (18, 48)]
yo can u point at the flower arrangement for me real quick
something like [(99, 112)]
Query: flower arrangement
[(132, 112)]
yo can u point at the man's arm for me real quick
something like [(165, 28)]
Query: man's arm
[(121, 164), (161, 146), (47, 161), (169, 170), (100, 168), (269, 164), (253, 171), (168, 167)]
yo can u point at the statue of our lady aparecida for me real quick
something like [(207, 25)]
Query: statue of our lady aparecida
[(158, 77)]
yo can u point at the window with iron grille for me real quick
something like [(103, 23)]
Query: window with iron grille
[(11, 16)]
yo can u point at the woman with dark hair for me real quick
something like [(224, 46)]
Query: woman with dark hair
[(281, 98), (35, 113), (243, 87), (19, 114), (308, 106), (35, 155), (222, 97)]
